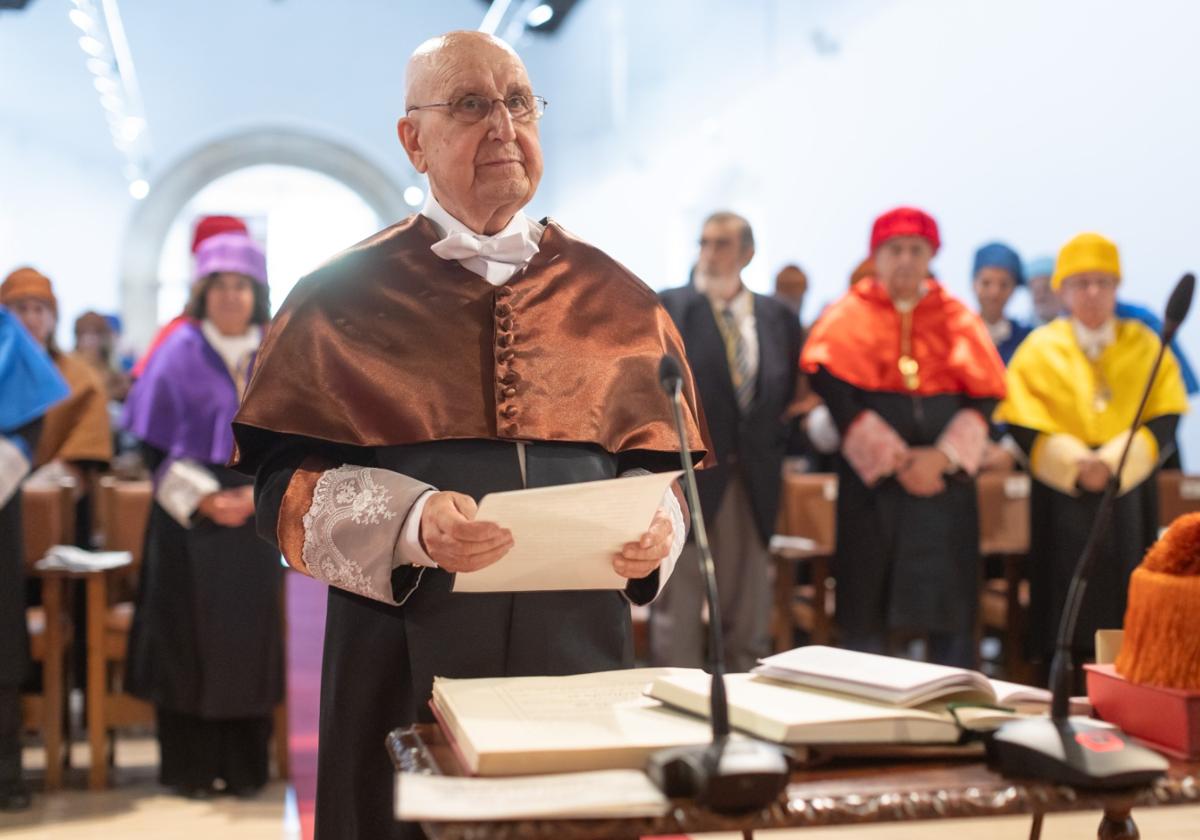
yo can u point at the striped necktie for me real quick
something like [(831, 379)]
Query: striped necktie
[(739, 362)]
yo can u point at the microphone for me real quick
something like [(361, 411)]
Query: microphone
[(726, 775), (1074, 750)]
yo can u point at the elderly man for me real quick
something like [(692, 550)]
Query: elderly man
[(1073, 388), (467, 349), (910, 377), (743, 349)]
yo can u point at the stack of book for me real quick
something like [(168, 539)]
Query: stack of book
[(815, 696)]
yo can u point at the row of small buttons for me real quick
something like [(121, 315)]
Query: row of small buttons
[(506, 375)]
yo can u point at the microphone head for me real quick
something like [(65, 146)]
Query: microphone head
[(670, 374), (1179, 303)]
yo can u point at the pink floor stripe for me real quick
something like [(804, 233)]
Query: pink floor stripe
[(306, 630)]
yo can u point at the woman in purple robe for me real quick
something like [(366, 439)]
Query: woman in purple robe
[(206, 646)]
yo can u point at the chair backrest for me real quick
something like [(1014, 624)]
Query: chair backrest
[(808, 508), (126, 511), (47, 518), (1177, 494), (1003, 512)]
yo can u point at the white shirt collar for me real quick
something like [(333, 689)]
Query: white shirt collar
[(496, 273), (1093, 342), (234, 350), (1000, 331)]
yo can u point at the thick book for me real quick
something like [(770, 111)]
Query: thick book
[(787, 713), (524, 725), (899, 682)]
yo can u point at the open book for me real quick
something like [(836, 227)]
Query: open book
[(787, 713), (522, 725), (899, 682)]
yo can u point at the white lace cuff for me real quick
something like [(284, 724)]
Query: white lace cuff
[(678, 538), (352, 528), (182, 487), (13, 467)]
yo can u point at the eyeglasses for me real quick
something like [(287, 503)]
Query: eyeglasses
[(1101, 284), (473, 108)]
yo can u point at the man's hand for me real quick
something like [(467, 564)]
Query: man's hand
[(1093, 474), (229, 508), (456, 542), (639, 559), (997, 458), (922, 471)]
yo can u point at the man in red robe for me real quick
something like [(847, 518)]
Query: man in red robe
[(910, 377)]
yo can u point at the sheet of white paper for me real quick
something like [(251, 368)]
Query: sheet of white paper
[(71, 559), (565, 537), (597, 794)]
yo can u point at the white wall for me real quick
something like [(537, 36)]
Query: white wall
[(1025, 121)]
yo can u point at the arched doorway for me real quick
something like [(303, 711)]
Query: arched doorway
[(154, 217)]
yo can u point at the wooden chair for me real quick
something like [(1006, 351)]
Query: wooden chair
[(126, 508), (1178, 494), (48, 518), (123, 509), (1004, 533), (808, 515)]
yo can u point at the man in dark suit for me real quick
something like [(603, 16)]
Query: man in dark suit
[(744, 350)]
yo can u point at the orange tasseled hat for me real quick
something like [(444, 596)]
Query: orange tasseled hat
[(1162, 622)]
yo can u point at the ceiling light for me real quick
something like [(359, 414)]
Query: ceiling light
[(99, 66), (81, 19), (139, 189), (105, 84), (111, 103), (540, 15), (91, 46), (131, 127)]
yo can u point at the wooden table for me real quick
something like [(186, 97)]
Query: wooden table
[(846, 793)]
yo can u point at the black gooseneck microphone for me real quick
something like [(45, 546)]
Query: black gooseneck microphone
[(1076, 751), (726, 775)]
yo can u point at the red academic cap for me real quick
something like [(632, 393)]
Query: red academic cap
[(212, 225), (905, 221)]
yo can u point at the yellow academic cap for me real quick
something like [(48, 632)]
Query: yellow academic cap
[(1085, 252)]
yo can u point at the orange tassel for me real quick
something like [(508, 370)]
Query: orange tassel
[(1162, 622)]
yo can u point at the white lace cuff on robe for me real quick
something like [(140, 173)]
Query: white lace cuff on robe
[(353, 527), (14, 464), (182, 487), (872, 447), (964, 440)]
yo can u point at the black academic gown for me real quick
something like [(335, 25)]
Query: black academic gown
[(1059, 525), (14, 638), (206, 647), (904, 563), (380, 660)]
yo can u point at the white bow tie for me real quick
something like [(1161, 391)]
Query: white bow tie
[(495, 258)]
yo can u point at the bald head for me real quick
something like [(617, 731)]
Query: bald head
[(482, 169), (437, 58)]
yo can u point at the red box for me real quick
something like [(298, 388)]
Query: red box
[(1167, 719)]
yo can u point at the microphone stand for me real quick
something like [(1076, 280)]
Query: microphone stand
[(1077, 751), (726, 775)]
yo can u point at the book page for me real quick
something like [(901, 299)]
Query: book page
[(566, 537), (885, 678), (792, 714), (599, 794), (585, 714)]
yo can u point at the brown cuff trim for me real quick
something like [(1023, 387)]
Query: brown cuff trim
[(289, 530)]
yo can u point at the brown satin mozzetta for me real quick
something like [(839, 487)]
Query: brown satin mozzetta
[(297, 499), (388, 344)]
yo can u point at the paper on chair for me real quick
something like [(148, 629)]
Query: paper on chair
[(565, 537), (593, 795)]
